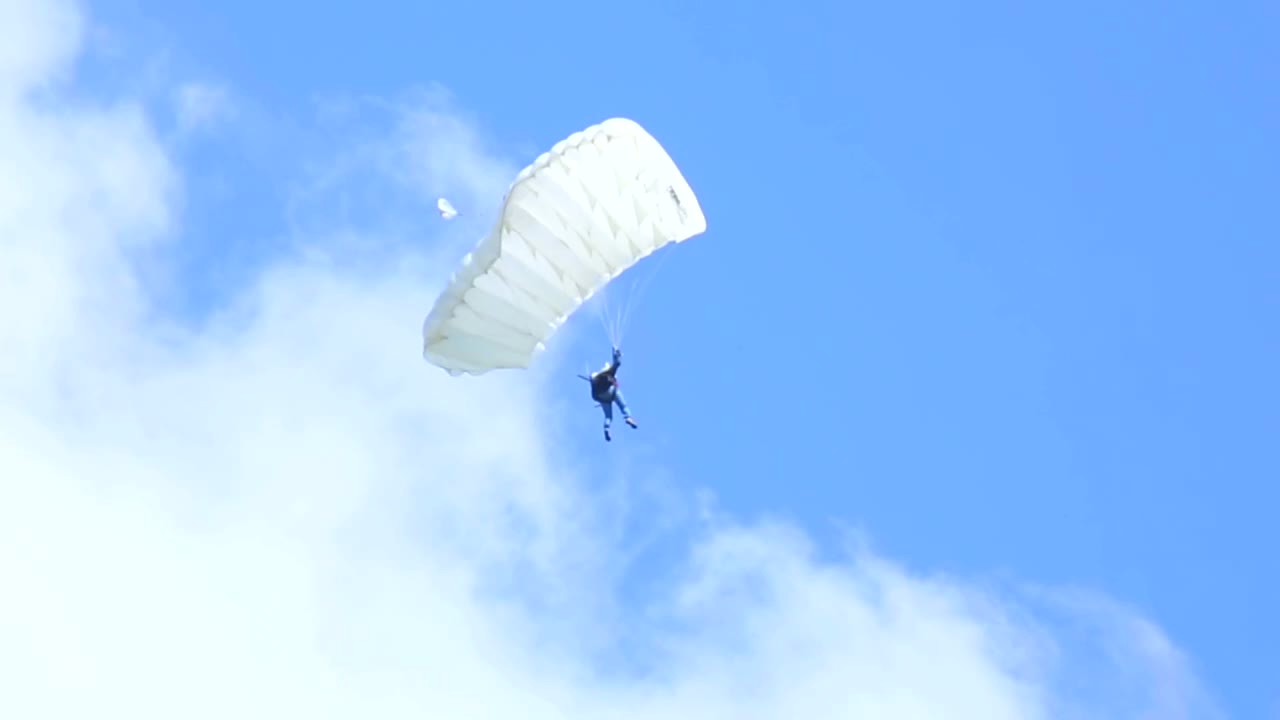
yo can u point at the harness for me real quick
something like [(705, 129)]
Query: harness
[(604, 394)]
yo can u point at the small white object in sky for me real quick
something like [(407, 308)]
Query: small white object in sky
[(446, 208)]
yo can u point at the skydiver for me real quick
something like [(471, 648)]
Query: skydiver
[(604, 390)]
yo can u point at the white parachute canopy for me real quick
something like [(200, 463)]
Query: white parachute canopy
[(576, 218), (447, 211)]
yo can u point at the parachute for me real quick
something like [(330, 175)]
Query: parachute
[(572, 221)]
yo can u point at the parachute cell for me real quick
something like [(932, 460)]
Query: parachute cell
[(576, 218)]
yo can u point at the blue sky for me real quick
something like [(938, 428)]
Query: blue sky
[(994, 285)]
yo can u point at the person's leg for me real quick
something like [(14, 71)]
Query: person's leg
[(622, 405), (608, 417)]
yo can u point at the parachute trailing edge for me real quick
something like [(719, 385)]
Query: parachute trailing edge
[(576, 218)]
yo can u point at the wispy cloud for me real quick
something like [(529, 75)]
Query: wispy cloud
[(40, 41), (284, 513), (201, 106)]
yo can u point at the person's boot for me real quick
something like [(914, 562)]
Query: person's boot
[(632, 422), (607, 436)]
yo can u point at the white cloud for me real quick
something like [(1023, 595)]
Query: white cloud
[(284, 513), (40, 38), (201, 106), (396, 158)]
